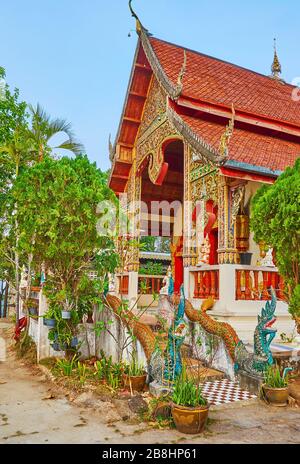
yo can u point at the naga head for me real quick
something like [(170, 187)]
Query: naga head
[(267, 317)]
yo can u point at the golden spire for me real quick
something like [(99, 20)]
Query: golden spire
[(276, 66), (139, 26)]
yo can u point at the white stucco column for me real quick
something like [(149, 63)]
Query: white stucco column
[(43, 345), (226, 286), (186, 282), (133, 288)]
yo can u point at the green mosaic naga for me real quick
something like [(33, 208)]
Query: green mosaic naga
[(256, 363)]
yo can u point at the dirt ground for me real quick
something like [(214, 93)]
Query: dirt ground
[(28, 414)]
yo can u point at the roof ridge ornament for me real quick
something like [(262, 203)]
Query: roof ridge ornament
[(139, 26), (173, 90), (227, 134), (111, 149), (276, 66), (181, 74)]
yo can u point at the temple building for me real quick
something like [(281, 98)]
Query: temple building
[(197, 138)]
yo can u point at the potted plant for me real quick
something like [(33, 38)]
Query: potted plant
[(134, 375), (50, 318), (67, 308), (33, 307), (188, 406), (53, 338), (275, 386), (245, 258)]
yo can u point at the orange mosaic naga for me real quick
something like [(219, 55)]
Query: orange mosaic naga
[(141, 331), (147, 338), (221, 329)]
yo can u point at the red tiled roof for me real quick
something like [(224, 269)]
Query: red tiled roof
[(216, 81), (248, 147)]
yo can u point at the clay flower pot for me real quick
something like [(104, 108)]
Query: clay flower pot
[(137, 382), (66, 315), (276, 396), (189, 420), (49, 322), (33, 311)]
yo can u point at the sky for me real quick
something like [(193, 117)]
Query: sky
[(74, 57)]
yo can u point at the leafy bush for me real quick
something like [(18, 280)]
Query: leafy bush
[(133, 369), (294, 306), (273, 377), (66, 366), (186, 393), (152, 268), (111, 372)]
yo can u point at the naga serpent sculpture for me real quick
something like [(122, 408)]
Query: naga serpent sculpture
[(252, 363), (141, 331), (147, 338), (213, 327)]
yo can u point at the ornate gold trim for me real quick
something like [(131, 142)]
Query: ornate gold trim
[(206, 151)]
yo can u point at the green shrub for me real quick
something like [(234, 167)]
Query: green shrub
[(273, 377), (134, 369), (294, 306), (66, 366), (186, 393)]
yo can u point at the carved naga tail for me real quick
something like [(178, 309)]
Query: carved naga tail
[(141, 331), (221, 329)]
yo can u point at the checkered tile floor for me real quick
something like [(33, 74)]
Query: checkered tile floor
[(224, 391)]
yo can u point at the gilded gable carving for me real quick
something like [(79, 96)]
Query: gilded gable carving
[(155, 105)]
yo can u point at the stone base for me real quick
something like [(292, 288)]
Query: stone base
[(157, 389), (288, 359), (249, 382)]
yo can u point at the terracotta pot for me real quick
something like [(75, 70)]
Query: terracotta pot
[(137, 382), (189, 420), (276, 396)]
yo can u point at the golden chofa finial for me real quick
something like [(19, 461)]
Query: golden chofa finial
[(139, 27), (276, 66)]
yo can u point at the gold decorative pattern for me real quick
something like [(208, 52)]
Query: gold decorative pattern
[(151, 147), (227, 253), (156, 105), (225, 138)]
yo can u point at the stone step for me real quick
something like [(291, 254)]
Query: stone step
[(197, 371)]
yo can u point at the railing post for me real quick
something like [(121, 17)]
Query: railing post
[(207, 283), (281, 288), (201, 286), (213, 292), (247, 286), (265, 293), (256, 290), (239, 294)]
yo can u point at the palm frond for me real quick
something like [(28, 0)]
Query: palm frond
[(75, 147)]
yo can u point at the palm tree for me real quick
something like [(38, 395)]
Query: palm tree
[(43, 128), (29, 145), (13, 156)]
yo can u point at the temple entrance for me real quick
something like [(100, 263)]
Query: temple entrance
[(162, 206)]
